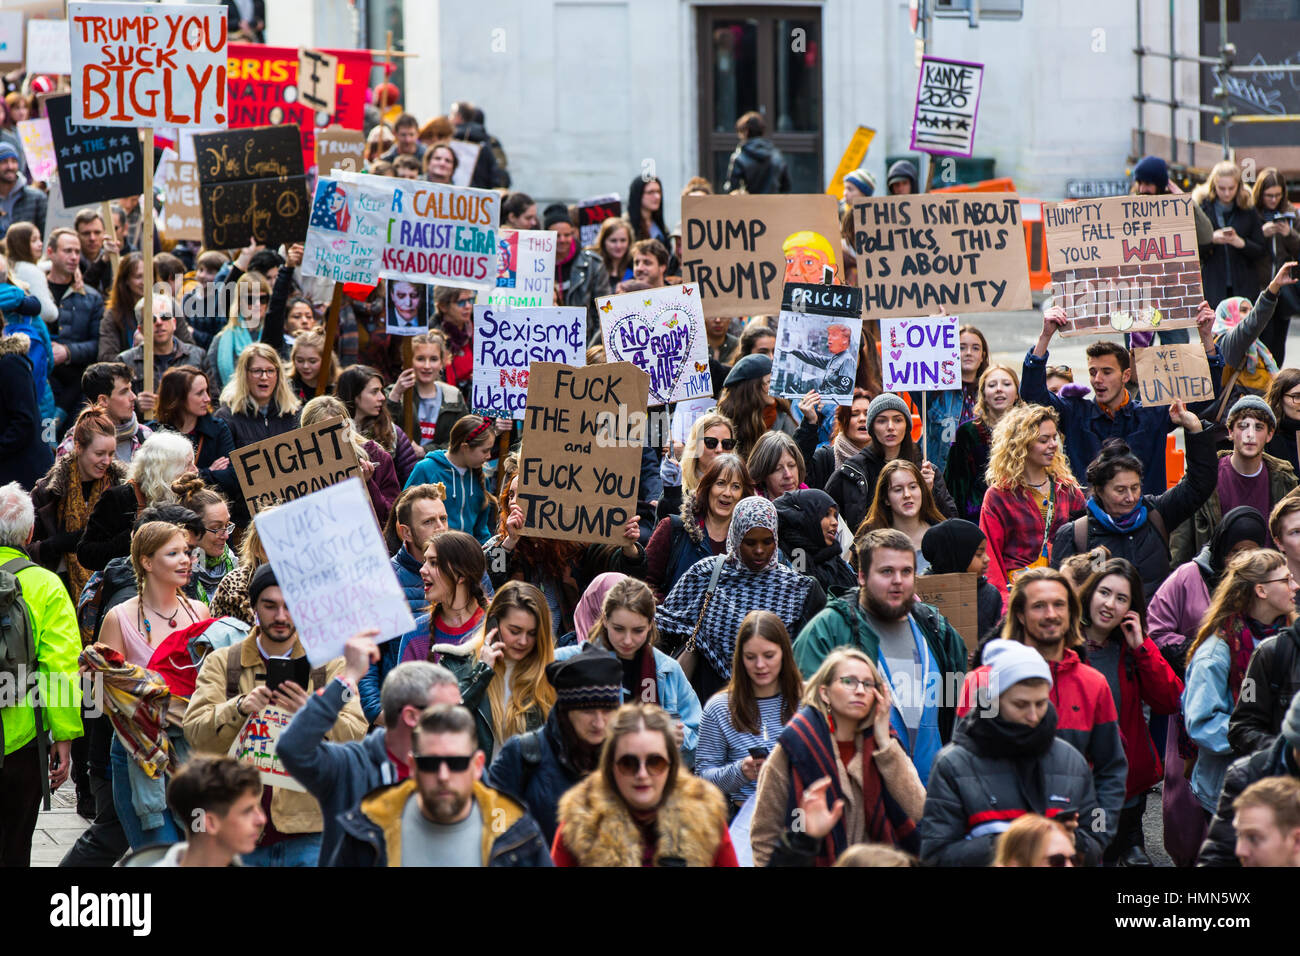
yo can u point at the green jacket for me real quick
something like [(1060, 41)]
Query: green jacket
[(1191, 536), (58, 644), (843, 623)]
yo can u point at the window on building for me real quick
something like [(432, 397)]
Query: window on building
[(766, 59)]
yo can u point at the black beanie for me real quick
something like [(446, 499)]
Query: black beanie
[(950, 545), (1242, 523), (263, 578)]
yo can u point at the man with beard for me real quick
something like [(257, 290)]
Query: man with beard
[(443, 815), (919, 652), (19, 202), (235, 683), (1005, 761)]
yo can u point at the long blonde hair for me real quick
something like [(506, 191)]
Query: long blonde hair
[(1236, 592), (1224, 167), (690, 475), (250, 284), (529, 687), (236, 395), (982, 410), (327, 406), (1012, 437)]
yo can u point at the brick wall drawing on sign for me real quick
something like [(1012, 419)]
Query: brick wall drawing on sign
[(1129, 298)]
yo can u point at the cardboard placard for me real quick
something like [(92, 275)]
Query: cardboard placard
[(964, 252), (920, 354), (38, 148), (183, 213), (332, 566), (289, 466), (1173, 372), (48, 48), (507, 341), (96, 163), (339, 148), (947, 106), (593, 212), (956, 596), (818, 338), (155, 65), (256, 744), (466, 159), (661, 332), (252, 186), (1125, 263), (364, 228), (406, 307), (740, 249), (853, 156), (317, 73), (11, 36), (263, 90), (525, 269), (580, 460)]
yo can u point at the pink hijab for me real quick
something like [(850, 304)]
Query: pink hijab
[(587, 613)]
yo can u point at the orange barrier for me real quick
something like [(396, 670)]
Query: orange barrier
[(1031, 218)]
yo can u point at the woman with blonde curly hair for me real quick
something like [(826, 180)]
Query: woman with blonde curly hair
[(1031, 492), (998, 392)]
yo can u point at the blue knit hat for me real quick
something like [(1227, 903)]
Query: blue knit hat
[(1152, 169), (751, 366), (7, 151), (862, 181)]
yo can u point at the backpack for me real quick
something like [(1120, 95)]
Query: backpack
[(235, 667), (103, 591), (18, 655)]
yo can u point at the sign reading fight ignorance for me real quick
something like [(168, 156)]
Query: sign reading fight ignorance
[(251, 186), (917, 253), (920, 354), (148, 65), (96, 163), (364, 228), (1170, 373), (580, 459), (661, 332), (525, 269), (263, 91), (289, 466), (506, 343), (740, 249), (333, 568), (1124, 264)]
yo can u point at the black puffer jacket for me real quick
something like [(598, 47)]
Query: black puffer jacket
[(970, 788), (1274, 673), (1219, 848), (853, 484), (757, 166)]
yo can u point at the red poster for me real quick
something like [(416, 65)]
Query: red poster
[(263, 91)]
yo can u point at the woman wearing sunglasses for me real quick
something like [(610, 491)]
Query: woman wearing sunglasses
[(1036, 841), (841, 732), (640, 807), (710, 436), (454, 315)]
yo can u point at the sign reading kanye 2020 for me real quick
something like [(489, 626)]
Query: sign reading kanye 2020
[(364, 228), (95, 162)]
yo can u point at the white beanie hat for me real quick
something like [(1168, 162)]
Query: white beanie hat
[(1010, 662)]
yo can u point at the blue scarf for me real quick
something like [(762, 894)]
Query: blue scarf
[(1125, 525)]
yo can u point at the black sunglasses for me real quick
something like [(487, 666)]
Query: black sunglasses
[(655, 764), (711, 443), (1059, 860), (434, 764)]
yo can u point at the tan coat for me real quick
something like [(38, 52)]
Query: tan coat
[(212, 722), (771, 818)]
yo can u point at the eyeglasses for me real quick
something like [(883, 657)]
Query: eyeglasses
[(711, 443), (434, 764), (852, 683), (1292, 397), (1289, 577), (630, 764), (464, 303), (228, 530), (1059, 860), (261, 372)]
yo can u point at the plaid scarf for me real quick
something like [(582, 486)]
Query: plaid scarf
[(74, 511), (137, 702)]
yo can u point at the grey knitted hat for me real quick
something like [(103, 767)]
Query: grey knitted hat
[(1255, 404), (886, 402)]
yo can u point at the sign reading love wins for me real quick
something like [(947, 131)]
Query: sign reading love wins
[(920, 354), (661, 332)]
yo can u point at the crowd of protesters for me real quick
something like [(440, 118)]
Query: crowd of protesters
[(749, 676)]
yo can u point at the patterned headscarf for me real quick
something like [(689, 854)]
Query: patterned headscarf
[(750, 513), (1258, 367)]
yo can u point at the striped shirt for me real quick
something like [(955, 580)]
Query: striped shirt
[(723, 748)]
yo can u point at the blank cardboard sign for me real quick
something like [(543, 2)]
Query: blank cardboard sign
[(956, 597)]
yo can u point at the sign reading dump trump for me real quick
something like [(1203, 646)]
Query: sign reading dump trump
[(1125, 263), (580, 460), (962, 252), (295, 464), (331, 564), (136, 64)]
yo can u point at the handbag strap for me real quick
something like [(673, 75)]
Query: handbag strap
[(704, 606)]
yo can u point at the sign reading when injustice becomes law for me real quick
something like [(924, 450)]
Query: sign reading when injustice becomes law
[(962, 252), (1124, 264), (1169, 373), (580, 459), (289, 466)]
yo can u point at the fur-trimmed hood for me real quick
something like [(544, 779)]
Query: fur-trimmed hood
[(690, 520), (55, 482), (598, 828), (16, 344)]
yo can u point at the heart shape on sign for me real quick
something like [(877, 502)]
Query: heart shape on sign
[(668, 322), (896, 354), (903, 324)]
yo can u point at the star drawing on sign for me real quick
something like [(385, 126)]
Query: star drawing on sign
[(963, 124), (76, 150), (64, 152)]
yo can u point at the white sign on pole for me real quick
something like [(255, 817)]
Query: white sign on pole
[(920, 354), (48, 50)]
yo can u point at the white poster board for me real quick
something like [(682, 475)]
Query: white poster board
[(525, 269), (48, 49), (508, 341), (920, 354)]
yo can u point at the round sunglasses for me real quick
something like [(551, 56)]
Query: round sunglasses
[(630, 764)]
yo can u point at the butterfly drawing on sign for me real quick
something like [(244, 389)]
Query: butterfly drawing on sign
[(701, 368), (647, 302), (672, 324), (607, 307), (687, 290)]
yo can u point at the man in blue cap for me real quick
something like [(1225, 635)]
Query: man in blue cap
[(19, 202)]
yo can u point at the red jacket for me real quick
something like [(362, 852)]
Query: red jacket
[(1144, 677), (1013, 528)]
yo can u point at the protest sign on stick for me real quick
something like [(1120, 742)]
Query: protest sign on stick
[(740, 249), (960, 252), (593, 212), (661, 332), (339, 148), (920, 354), (333, 569), (947, 105), (252, 186), (182, 211), (1169, 373), (96, 163), (853, 156), (818, 339), (580, 460), (297, 463), (38, 147), (48, 49), (256, 744), (1124, 263), (317, 72), (525, 269), (508, 340)]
